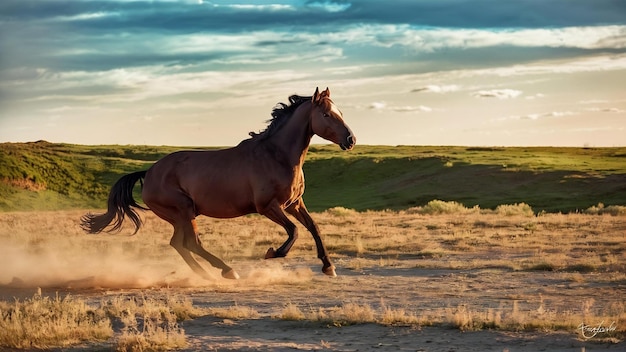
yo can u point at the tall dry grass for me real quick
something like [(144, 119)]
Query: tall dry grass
[(147, 323), (44, 322), (151, 324), (466, 317)]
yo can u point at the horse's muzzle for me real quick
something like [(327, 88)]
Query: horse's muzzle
[(349, 144)]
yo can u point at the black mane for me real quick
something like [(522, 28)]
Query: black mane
[(281, 113)]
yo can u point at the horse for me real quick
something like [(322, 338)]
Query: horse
[(262, 174)]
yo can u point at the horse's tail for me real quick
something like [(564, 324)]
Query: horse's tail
[(119, 205)]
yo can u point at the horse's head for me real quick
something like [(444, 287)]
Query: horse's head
[(327, 121)]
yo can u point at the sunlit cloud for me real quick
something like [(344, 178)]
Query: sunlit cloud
[(329, 6), (597, 63), (430, 39), (437, 89), (497, 93), (607, 110), (538, 116), (535, 96), (85, 16), (172, 60), (383, 106), (260, 7)]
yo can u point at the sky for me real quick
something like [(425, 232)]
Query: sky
[(403, 72)]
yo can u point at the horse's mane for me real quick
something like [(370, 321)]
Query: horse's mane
[(280, 114)]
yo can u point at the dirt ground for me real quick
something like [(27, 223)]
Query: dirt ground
[(259, 335), (447, 296), (417, 289), (267, 286)]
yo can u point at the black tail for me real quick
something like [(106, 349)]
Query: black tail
[(120, 204)]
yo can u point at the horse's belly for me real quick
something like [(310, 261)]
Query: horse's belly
[(224, 204), (225, 211)]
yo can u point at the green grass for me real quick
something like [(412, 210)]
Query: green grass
[(548, 179), (47, 176)]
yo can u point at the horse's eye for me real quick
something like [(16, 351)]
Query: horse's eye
[(326, 114)]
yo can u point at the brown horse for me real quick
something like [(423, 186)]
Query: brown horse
[(262, 175)]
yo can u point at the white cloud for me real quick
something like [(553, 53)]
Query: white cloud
[(590, 64), (382, 106), (408, 108), (257, 7), (497, 93), (594, 101), (608, 110), (437, 88), (430, 39), (85, 16), (135, 84), (535, 96), (560, 113), (538, 116), (378, 105), (329, 6), (547, 115), (345, 70)]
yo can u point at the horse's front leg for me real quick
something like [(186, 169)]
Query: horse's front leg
[(277, 215), (299, 211)]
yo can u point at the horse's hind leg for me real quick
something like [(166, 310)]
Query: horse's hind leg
[(185, 240), (192, 243), (178, 242)]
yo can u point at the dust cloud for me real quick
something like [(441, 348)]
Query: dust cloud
[(51, 251), (63, 264)]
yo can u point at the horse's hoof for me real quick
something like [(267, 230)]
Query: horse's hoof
[(230, 274), (271, 253), (330, 271)]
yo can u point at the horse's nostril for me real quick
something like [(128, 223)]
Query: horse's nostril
[(351, 140)]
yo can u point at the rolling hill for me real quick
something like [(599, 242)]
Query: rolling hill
[(50, 176)]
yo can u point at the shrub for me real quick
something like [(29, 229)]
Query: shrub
[(341, 211), (522, 209), (292, 312), (436, 207), (235, 312), (543, 266), (600, 209), (352, 313)]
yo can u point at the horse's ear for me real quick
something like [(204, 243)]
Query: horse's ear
[(326, 93), (316, 95)]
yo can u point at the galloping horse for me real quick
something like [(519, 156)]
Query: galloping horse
[(263, 174)]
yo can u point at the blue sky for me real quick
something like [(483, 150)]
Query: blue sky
[(421, 72)]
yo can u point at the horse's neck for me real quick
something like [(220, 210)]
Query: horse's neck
[(294, 137)]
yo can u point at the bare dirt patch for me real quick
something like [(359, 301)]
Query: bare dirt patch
[(406, 281)]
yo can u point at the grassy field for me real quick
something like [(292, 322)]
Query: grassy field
[(46, 176)]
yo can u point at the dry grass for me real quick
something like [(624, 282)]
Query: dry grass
[(236, 312), (508, 237), (586, 252), (150, 323), (474, 237), (44, 322), (466, 317)]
